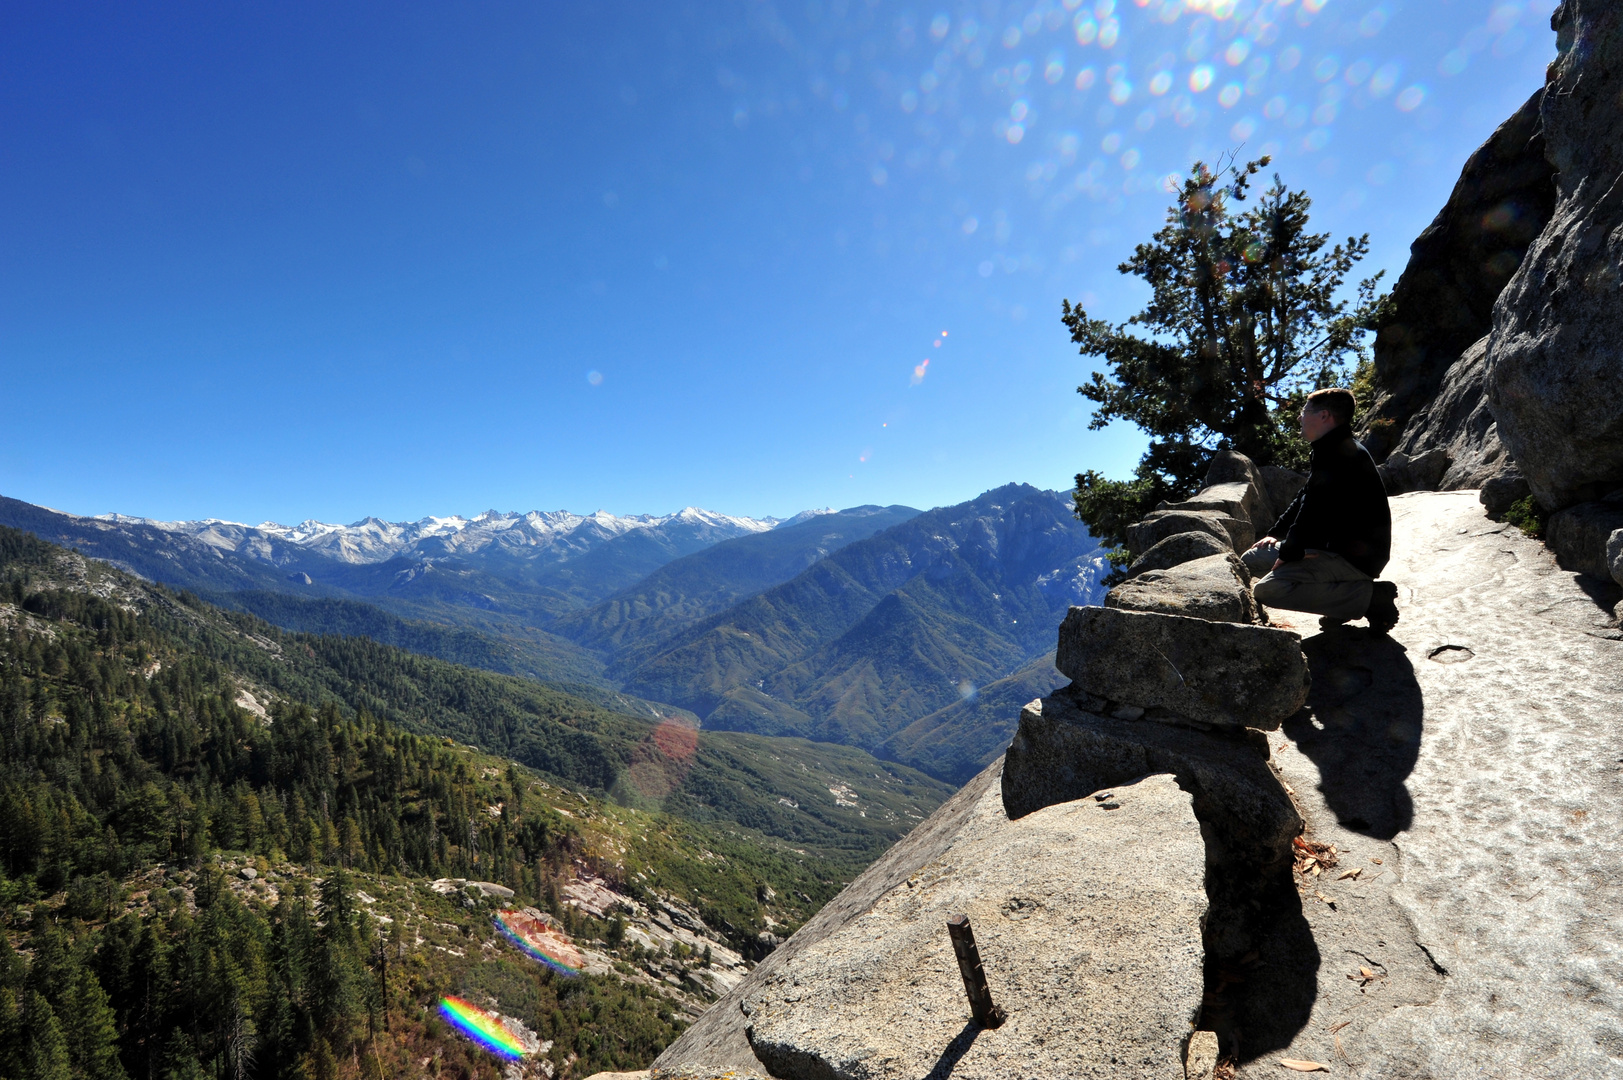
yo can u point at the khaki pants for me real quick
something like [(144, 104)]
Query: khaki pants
[(1322, 584)]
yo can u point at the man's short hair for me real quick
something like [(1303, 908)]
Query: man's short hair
[(1338, 402)]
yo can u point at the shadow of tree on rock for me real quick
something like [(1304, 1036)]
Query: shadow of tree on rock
[(1361, 728)]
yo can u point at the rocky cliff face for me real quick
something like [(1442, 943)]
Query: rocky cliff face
[(1555, 358), (1444, 302), (1529, 401)]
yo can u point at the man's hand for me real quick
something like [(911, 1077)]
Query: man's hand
[(1264, 542)]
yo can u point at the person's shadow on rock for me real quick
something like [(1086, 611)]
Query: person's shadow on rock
[(1361, 727)]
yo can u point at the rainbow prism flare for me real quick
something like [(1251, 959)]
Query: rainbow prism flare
[(540, 942), (481, 1027)]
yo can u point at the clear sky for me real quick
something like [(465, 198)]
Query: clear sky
[(277, 261)]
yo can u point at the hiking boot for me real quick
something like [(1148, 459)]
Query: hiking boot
[(1383, 607)]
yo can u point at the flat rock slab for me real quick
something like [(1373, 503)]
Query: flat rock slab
[(1063, 752), (1088, 916), (1216, 588), (1215, 673), (1476, 753), (717, 1044)]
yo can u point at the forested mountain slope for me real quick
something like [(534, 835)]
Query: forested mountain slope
[(842, 627), (887, 629), (504, 576), (136, 745), (633, 622), (563, 735), (958, 741), (505, 649)]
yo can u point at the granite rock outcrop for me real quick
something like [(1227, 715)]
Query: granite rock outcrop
[(1063, 751), (1432, 384), (1216, 588), (1153, 757), (1097, 964), (1503, 490), (1239, 499), (1555, 357), (1401, 473), (1232, 467), (1210, 674), (1581, 537), (1238, 533), (1177, 549)]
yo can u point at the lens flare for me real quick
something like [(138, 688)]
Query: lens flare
[(482, 1028), (1411, 99), (661, 762), (540, 942)]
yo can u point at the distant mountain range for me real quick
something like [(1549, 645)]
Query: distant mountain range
[(887, 629), (557, 534), (869, 626)]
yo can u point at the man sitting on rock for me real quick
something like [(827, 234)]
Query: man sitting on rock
[(1337, 533)]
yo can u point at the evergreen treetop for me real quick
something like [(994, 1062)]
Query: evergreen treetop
[(1246, 316)]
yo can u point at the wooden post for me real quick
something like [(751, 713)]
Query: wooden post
[(986, 1014)]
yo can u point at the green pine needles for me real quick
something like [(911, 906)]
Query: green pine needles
[(1246, 317)]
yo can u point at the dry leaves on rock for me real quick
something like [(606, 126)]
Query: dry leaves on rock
[(1336, 1032), (1364, 976), (1303, 1066), (1311, 857)]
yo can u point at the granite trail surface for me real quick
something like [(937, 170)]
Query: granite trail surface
[(1470, 768)]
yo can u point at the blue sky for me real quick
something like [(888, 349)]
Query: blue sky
[(286, 261)]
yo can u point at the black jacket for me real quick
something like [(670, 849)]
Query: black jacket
[(1342, 509)]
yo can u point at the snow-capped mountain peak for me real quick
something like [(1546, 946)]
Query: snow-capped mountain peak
[(372, 540)]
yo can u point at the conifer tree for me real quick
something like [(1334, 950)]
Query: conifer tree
[(11, 1033), (337, 978), (1244, 319), (45, 1048), (93, 1050)]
